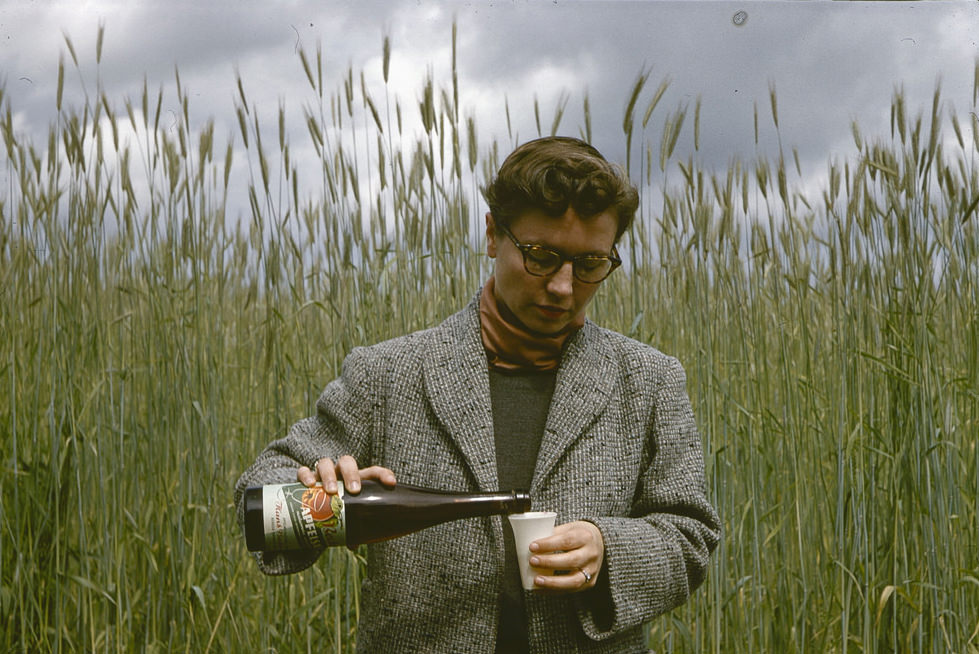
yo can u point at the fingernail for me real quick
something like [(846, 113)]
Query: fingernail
[(354, 486), (534, 561), (331, 487), (534, 547)]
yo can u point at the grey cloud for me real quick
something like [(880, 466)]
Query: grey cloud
[(830, 63)]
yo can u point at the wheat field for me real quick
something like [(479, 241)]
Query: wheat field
[(152, 343)]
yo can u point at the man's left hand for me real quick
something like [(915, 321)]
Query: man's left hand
[(575, 547)]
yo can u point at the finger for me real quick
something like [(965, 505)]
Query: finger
[(306, 477), (560, 541), (569, 536), (563, 561), (381, 474), (327, 474), (572, 582), (350, 473)]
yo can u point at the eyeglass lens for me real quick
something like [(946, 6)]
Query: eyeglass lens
[(540, 261)]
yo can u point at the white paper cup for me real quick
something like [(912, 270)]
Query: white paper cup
[(528, 527)]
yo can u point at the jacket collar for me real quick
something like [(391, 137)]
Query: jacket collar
[(457, 386)]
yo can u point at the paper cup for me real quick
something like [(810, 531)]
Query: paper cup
[(528, 527)]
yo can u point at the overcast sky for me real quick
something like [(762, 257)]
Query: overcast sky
[(830, 63)]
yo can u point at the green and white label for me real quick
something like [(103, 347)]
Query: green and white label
[(298, 517)]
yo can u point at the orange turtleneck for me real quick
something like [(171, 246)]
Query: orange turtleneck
[(509, 345)]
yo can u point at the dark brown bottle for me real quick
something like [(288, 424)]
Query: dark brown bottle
[(297, 517)]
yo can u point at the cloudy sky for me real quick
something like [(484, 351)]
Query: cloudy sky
[(830, 63)]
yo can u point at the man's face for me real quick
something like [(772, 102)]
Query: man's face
[(547, 304)]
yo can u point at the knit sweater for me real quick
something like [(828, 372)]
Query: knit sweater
[(520, 404)]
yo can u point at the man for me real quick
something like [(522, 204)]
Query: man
[(519, 390)]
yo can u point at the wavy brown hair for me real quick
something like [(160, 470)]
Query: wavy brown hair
[(554, 173)]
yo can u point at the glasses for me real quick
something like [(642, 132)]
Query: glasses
[(588, 268)]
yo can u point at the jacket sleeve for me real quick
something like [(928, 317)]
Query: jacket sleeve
[(656, 557), (341, 426)]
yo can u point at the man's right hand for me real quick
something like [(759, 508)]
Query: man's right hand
[(345, 469)]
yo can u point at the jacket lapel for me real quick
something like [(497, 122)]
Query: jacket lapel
[(582, 389), (457, 385)]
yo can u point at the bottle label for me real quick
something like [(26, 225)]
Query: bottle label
[(298, 517)]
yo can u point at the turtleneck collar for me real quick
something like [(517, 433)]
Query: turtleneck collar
[(511, 347)]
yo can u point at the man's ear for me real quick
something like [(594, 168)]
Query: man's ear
[(490, 236)]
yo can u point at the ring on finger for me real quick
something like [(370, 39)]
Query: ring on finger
[(586, 575)]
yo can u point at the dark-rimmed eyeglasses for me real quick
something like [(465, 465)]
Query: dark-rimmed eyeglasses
[(588, 268)]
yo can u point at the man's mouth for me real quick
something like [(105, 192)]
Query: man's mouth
[(551, 312)]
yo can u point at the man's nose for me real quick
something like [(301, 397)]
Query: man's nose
[(561, 282)]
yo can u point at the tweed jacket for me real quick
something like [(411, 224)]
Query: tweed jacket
[(620, 449)]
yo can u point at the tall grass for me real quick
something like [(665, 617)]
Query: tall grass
[(152, 344)]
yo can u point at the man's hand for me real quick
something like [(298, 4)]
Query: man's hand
[(577, 547), (345, 469)]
